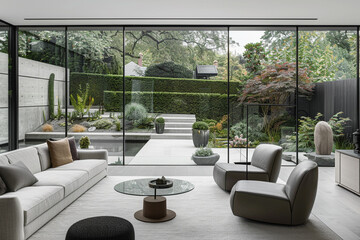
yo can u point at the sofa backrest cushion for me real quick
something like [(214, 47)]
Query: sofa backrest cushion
[(4, 160), (29, 156), (59, 152), (44, 156)]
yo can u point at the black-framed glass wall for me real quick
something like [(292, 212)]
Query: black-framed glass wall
[(4, 87), (263, 60), (95, 73), (175, 75), (256, 68), (42, 78)]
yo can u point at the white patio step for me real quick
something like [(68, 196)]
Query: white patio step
[(177, 115), (176, 130), (171, 136), (178, 125), (179, 119)]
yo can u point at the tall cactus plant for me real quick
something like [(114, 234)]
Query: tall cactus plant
[(51, 95)]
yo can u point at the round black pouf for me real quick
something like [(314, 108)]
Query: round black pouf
[(101, 228)]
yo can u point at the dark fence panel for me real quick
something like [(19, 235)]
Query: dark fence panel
[(330, 98)]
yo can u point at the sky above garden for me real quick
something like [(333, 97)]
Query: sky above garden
[(243, 38)]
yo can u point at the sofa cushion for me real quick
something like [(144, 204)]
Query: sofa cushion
[(29, 156), (59, 152), (44, 156), (261, 201), (4, 160), (37, 200), (16, 176), (3, 188), (72, 144), (92, 166), (69, 180)]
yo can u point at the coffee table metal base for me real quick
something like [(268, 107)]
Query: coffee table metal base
[(154, 210)]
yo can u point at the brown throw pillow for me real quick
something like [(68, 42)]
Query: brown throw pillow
[(59, 152), (73, 149)]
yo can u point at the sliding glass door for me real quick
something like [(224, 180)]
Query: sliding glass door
[(4, 87)]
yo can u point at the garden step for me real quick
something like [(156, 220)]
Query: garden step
[(178, 115), (171, 136), (178, 125), (176, 130), (179, 119)]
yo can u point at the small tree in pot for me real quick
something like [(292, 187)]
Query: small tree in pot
[(205, 156), (159, 125), (200, 134)]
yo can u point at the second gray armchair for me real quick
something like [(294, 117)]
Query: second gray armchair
[(265, 166)]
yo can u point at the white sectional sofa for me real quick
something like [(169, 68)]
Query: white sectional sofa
[(23, 212)]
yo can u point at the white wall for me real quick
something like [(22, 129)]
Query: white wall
[(33, 93)]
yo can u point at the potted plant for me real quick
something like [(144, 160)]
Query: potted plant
[(159, 125), (84, 142), (205, 156), (200, 134)]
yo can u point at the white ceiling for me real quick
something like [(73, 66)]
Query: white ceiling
[(327, 12)]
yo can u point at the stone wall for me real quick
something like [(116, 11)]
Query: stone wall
[(33, 92)]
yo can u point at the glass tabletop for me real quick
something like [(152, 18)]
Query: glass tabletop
[(140, 187)]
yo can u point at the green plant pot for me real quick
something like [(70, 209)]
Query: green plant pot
[(208, 160), (200, 137), (159, 127)]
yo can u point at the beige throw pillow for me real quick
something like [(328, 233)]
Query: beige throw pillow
[(59, 152)]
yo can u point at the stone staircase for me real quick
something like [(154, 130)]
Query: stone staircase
[(177, 126)]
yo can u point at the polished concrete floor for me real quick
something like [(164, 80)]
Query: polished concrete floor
[(338, 208)]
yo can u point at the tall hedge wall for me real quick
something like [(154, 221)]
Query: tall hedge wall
[(204, 105), (100, 83)]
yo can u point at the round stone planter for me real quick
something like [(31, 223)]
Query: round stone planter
[(159, 127), (209, 160), (200, 137)]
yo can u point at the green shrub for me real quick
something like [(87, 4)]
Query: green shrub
[(255, 130), (200, 126), (204, 105), (102, 124), (160, 120), (84, 142), (83, 102), (100, 83), (145, 123), (203, 152), (118, 125), (168, 69), (51, 95), (135, 112)]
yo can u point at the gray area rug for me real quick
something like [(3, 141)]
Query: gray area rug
[(203, 213)]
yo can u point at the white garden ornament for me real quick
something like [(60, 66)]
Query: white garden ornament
[(323, 138)]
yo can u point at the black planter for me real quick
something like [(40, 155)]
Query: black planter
[(200, 137), (159, 127)]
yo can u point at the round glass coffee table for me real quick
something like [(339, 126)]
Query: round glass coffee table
[(154, 205)]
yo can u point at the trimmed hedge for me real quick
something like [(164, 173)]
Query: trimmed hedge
[(204, 105), (100, 83)]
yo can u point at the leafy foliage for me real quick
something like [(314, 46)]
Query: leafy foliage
[(83, 101), (255, 129), (203, 152), (135, 112), (254, 54), (160, 120), (306, 131), (168, 69), (200, 126), (84, 142), (51, 95), (102, 124)]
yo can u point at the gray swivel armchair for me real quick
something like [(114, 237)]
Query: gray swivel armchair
[(289, 204), (265, 166)]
